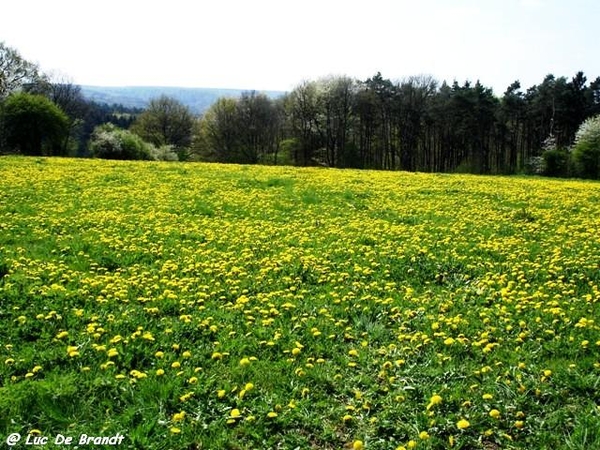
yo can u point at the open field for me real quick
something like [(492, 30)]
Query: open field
[(191, 306)]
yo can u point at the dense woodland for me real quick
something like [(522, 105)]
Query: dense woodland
[(415, 124)]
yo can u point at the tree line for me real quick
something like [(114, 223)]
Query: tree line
[(415, 124)]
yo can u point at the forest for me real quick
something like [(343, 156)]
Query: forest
[(413, 124)]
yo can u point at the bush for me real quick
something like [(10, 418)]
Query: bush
[(165, 153), (109, 142), (556, 162), (586, 151), (33, 125)]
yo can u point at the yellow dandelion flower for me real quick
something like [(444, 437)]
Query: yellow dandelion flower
[(494, 414), (463, 424), (178, 417), (434, 400)]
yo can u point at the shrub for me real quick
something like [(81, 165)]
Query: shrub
[(109, 142), (586, 151), (556, 162), (33, 125)]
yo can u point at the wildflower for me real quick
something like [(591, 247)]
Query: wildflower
[(494, 414), (358, 445), (434, 400), (463, 424), (178, 417)]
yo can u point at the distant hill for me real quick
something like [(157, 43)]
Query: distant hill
[(197, 99)]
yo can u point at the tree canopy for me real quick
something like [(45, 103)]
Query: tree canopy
[(15, 72), (166, 121), (33, 125)]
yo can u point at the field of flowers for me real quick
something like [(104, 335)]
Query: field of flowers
[(192, 306)]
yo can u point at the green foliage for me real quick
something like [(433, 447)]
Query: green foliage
[(110, 142), (586, 151), (15, 72), (166, 121), (33, 125), (244, 130), (556, 162)]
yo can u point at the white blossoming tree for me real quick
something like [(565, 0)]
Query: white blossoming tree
[(586, 150)]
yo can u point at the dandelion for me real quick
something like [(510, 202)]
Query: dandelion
[(494, 414), (434, 400), (463, 424), (178, 417), (358, 445)]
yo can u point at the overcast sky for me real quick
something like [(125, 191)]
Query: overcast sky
[(275, 44)]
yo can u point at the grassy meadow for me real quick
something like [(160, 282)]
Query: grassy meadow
[(206, 306)]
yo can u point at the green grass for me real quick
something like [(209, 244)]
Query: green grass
[(218, 306)]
